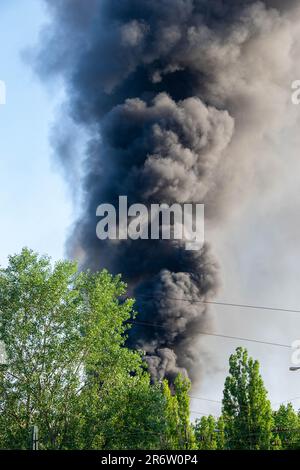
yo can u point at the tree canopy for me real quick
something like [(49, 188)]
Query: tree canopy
[(70, 373)]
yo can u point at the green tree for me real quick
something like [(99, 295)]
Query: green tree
[(182, 386), (276, 444), (287, 425), (246, 409), (206, 433), (221, 441), (210, 433), (68, 369), (179, 432), (170, 439)]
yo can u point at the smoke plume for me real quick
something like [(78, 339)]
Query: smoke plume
[(181, 100)]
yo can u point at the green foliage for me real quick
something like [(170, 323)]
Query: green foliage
[(276, 444), (221, 438), (287, 425), (206, 433), (70, 373), (179, 431), (209, 433), (246, 409), (68, 370)]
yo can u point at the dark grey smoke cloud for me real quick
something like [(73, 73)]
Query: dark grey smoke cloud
[(170, 92)]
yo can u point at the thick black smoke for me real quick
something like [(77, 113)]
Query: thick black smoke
[(160, 87)]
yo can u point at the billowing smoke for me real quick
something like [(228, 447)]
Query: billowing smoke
[(180, 100)]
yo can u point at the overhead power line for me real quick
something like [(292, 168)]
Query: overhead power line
[(205, 399), (286, 401), (279, 345), (219, 402), (212, 302), (217, 335)]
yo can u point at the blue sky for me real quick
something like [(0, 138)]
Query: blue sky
[(35, 210)]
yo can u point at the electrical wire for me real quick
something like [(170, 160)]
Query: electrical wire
[(225, 304), (218, 335)]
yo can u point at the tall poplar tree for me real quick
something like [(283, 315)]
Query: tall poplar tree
[(247, 411)]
